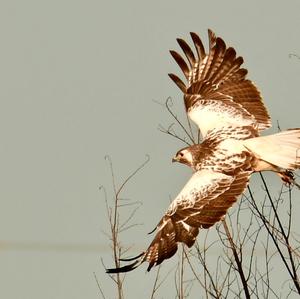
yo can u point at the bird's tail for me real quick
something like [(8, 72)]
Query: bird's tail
[(281, 150)]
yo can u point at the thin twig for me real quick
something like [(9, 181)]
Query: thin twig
[(293, 272), (177, 120), (99, 287), (237, 260), (155, 285)]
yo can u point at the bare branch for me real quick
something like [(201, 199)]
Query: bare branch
[(99, 287)]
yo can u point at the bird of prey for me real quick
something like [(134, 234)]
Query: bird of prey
[(217, 93), (230, 114)]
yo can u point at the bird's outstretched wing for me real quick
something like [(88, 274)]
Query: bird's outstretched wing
[(203, 201), (217, 92)]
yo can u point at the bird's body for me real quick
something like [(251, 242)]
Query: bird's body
[(220, 150), (224, 150)]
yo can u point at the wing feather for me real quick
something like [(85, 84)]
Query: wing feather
[(178, 82), (203, 201), (198, 45), (217, 59), (216, 73), (187, 51), (182, 64)]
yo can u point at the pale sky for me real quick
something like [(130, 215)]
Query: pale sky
[(79, 80)]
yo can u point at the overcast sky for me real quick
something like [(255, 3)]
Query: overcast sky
[(79, 80)]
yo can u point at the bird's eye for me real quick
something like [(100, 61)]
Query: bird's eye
[(181, 154)]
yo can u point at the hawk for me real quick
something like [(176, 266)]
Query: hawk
[(230, 114)]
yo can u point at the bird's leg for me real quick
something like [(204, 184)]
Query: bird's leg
[(288, 178)]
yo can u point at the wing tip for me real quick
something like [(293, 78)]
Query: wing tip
[(123, 269), (138, 260)]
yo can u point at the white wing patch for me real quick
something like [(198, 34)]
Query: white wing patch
[(216, 114), (200, 185), (232, 146)]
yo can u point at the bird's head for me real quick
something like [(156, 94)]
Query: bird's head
[(190, 156), (185, 156)]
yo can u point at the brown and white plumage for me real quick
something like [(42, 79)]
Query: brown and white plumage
[(220, 178), (217, 93), (230, 114), (223, 163), (278, 152), (202, 202)]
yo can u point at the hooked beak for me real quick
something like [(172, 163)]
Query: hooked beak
[(175, 159)]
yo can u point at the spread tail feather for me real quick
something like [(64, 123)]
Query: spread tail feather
[(281, 149)]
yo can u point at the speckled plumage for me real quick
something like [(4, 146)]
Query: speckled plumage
[(230, 114), (217, 93)]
